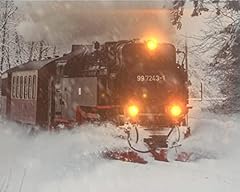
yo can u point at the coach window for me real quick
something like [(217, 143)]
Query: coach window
[(13, 86), (34, 87), (17, 87), (25, 88), (30, 87), (21, 87)]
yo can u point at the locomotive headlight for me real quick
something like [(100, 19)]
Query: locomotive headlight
[(133, 110), (175, 110), (152, 44)]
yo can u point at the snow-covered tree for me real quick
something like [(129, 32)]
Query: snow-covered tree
[(227, 62), (14, 49), (223, 36), (39, 50), (7, 11)]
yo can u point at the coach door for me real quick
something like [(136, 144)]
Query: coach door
[(58, 99), (58, 89), (51, 101), (5, 95)]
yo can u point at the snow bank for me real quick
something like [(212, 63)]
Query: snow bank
[(213, 137), (71, 161)]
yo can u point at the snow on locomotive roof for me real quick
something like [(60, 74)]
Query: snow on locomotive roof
[(32, 65), (36, 65)]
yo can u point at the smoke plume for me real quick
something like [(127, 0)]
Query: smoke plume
[(67, 22)]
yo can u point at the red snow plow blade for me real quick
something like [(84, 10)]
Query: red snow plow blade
[(128, 156), (134, 157), (157, 148)]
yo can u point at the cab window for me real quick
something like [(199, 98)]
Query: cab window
[(21, 87), (34, 87), (30, 87), (17, 87), (25, 87), (13, 86)]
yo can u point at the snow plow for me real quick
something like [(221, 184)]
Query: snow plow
[(155, 142)]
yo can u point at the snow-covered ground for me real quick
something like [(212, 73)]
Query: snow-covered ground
[(71, 161)]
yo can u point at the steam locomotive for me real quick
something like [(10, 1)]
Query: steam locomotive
[(129, 81)]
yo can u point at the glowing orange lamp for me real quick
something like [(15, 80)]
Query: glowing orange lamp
[(152, 44), (175, 110), (133, 111)]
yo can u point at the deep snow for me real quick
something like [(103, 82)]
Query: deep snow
[(71, 161)]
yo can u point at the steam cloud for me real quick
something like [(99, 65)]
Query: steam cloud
[(66, 22)]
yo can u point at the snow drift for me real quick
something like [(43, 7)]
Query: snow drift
[(71, 160)]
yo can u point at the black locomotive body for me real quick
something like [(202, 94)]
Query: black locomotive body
[(123, 81)]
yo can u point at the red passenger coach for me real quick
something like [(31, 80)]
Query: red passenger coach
[(23, 96), (32, 92), (24, 92)]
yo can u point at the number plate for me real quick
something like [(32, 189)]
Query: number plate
[(150, 78)]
